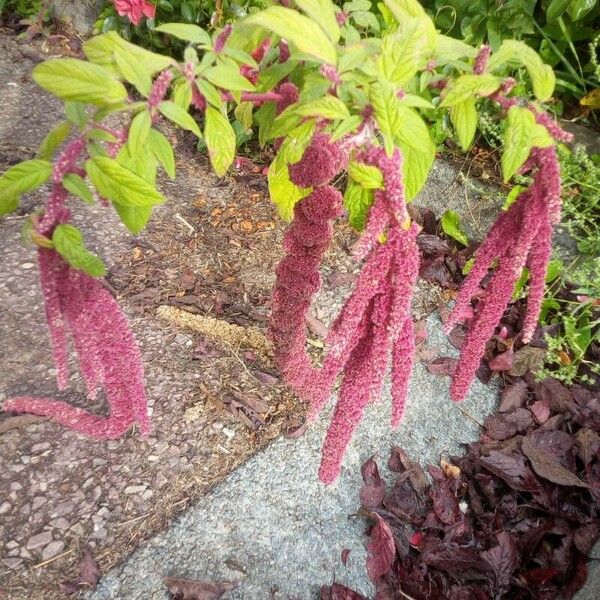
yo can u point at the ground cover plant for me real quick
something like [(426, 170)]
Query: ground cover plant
[(516, 516), (326, 107)]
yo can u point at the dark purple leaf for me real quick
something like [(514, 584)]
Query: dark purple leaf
[(432, 245), (89, 571), (540, 410), (373, 490), (442, 366), (381, 550), (337, 591), (344, 556), (452, 558), (588, 444), (502, 426), (503, 558), (190, 589), (511, 469), (445, 504), (513, 396), (502, 362), (585, 537), (555, 393), (546, 465)]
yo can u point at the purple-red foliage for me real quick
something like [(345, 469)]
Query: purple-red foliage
[(515, 517), (520, 237)]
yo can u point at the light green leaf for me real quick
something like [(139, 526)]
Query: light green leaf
[(100, 134), (327, 107), (75, 112), (220, 140), (387, 112), (282, 191), (357, 201), (135, 218), (346, 126), (210, 92), (79, 81), (243, 113), (129, 69), (118, 184), (297, 29), (265, 116), (68, 242), (517, 53), (139, 131), (20, 179), (451, 226), (416, 165), (297, 141), (464, 118), (323, 13), (186, 32), (448, 49), (271, 76), (518, 138), (401, 9), (182, 94), (57, 135), (284, 123), (179, 117), (406, 51), (101, 49), (161, 148), (77, 186), (469, 85), (368, 176), (415, 101), (228, 77)]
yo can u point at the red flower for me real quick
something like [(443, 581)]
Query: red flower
[(134, 10)]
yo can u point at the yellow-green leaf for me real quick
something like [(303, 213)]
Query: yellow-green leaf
[(179, 117), (520, 124), (323, 13), (20, 179), (53, 140), (139, 131), (161, 148), (68, 242), (186, 32), (469, 85), (77, 186), (79, 81), (297, 29), (464, 118), (368, 176), (220, 140)]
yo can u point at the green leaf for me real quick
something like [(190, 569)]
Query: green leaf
[(186, 32), (556, 9), (100, 134), (101, 50), (243, 113), (469, 85), (57, 135), (282, 191), (179, 117), (182, 94), (327, 107), (448, 49), (130, 70), (555, 268), (210, 92), (405, 8), (415, 101), (161, 148), (79, 81), (323, 13), (118, 184), (297, 29), (75, 112), (135, 218), (220, 140), (387, 112), (271, 76), (77, 186), (68, 242), (20, 179), (265, 116), (357, 201), (368, 176), (346, 126), (516, 53), (139, 131), (451, 227), (228, 77), (512, 196), (464, 118), (297, 141), (406, 51), (520, 124)]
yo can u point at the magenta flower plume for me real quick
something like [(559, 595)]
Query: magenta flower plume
[(134, 10), (374, 323), (521, 236), (107, 352)]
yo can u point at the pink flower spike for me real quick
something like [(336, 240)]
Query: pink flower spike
[(402, 366)]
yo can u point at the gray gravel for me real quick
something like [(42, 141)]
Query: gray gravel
[(279, 532)]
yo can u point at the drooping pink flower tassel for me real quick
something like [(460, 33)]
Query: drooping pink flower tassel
[(521, 235), (106, 350)]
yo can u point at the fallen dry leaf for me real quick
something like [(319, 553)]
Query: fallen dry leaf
[(191, 589)]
